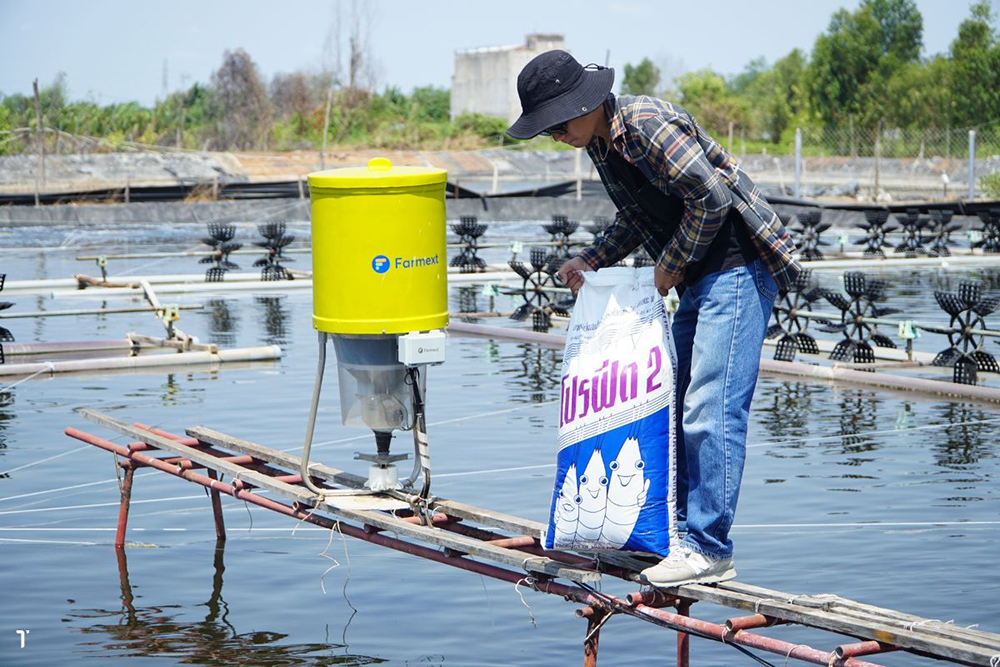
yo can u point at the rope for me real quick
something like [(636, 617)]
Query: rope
[(789, 654), (49, 366), (324, 554), (530, 581)]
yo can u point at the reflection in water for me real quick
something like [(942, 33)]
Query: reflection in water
[(275, 316), (224, 323), (784, 408), (969, 438), (164, 632), (6, 402), (858, 418), (538, 377)]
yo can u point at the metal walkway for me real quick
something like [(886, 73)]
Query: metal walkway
[(508, 548)]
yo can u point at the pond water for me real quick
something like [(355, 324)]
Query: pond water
[(881, 497)]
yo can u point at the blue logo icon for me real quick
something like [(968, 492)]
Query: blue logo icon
[(380, 264)]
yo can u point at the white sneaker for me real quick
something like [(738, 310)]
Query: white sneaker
[(686, 566)]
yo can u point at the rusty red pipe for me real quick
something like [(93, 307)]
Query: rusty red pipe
[(510, 576), (677, 621)]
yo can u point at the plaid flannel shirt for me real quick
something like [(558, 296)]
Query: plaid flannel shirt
[(677, 156)]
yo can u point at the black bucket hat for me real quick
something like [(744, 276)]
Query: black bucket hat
[(554, 88)]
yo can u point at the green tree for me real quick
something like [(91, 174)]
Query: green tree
[(859, 54), (919, 95), (975, 69), (707, 97), (777, 95), (642, 79), (431, 104)]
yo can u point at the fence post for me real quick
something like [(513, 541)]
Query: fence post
[(40, 133), (854, 150), (972, 165), (798, 162), (878, 156), (730, 137)]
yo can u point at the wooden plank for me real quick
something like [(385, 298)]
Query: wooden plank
[(952, 649), (839, 605), (270, 455), (510, 557), (834, 614)]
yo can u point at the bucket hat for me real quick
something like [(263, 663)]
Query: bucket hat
[(554, 88)]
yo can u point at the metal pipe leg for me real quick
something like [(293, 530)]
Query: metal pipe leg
[(683, 639), (595, 619), (311, 424), (123, 507), (220, 526)]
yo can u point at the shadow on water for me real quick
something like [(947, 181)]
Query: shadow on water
[(157, 632)]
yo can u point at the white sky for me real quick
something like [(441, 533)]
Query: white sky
[(115, 50)]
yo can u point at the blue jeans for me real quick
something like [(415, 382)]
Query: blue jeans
[(718, 330)]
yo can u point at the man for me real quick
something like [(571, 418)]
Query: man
[(715, 239)]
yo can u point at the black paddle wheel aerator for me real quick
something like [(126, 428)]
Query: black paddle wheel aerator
[(560, 230), (220, 238), (469, 231), (856, 312), (968, 310), (537, 290), (790, 320), (5, 335), (875, 231), (275, 240), (807, 234)]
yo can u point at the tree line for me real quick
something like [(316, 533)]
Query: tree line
[(865, 71), (238, 110)]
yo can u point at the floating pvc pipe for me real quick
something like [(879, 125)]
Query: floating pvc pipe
[(91, 311), (797, 369), (193, 253), (26, 349), (262, 353)]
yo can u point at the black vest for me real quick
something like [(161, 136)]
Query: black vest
[(730, 248)]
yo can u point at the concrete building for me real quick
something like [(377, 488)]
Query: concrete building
[(485, 79)]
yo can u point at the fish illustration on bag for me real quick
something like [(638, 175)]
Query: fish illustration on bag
[(567, 509), (594, 499), (627, 492)]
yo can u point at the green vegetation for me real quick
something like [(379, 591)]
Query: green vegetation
[(991, 185), (864, 76)]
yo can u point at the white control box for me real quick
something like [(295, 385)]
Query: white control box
[(425, 347)]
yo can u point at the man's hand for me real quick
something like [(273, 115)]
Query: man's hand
[(571, 273), (664, 281)]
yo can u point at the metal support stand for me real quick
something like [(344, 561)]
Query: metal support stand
[(596, 617), (220, 526), (422, 461), (311, 424), (683, 639), (126, 492)]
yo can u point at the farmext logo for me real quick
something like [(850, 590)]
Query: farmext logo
[(381, 264)]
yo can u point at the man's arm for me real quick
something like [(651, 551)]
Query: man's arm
[(673, 151), (615, 243)]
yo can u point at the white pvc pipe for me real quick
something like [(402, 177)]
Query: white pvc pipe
[(794, 368), (263, 353)]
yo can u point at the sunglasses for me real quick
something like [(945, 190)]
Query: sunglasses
[(555, 129)]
